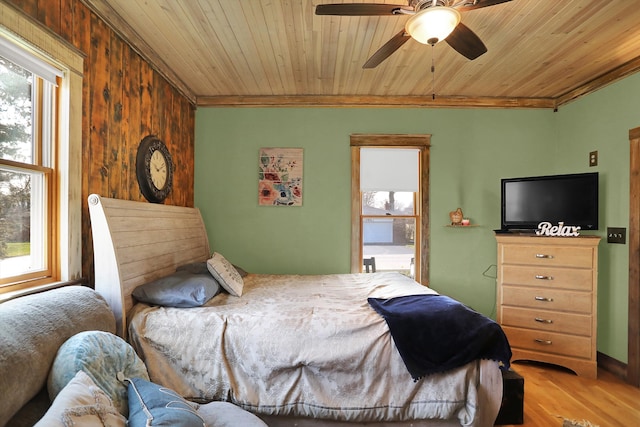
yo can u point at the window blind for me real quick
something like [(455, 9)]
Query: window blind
[(389, 169), (18, 55)]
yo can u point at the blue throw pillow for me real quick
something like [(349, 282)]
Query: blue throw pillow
[(101, 356), (181, 289), (154, 405)]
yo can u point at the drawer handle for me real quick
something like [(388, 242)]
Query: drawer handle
[(544, 299), (541, 320), (545, 342), (544, 256), (541, 277)]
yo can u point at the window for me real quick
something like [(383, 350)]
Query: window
[(389, 203), (388, 188), (54, 167), (27, 152)]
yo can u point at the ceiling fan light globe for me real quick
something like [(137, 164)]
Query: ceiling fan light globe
[(432, 25)]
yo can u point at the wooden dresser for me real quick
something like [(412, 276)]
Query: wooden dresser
[(547, 299)]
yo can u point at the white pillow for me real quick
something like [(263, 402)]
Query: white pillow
[(82, 403), (226, 274)]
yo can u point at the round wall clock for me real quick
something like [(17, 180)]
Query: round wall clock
[(154, 169)]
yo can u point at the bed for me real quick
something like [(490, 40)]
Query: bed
[(294, 350)]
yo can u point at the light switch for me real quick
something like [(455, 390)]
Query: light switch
[(616, 235)]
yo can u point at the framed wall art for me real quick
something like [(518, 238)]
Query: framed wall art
[(280, 177)]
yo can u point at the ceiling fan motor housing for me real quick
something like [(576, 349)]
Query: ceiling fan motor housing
[(419, 5)]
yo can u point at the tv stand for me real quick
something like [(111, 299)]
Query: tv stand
[(547, 299)]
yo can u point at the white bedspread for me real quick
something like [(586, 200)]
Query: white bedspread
[(300, 345)]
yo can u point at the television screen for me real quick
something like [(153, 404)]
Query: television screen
[(571, 199)]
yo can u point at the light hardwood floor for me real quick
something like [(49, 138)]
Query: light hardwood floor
[(552, 393)]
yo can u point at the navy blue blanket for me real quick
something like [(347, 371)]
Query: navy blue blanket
[(435, 333)]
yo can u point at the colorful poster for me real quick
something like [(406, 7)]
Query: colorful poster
[(280, 177)]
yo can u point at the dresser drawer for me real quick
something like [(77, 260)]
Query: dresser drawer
[(547, 299), (549, 342), (550, 321), (548, 277), (548, 255)]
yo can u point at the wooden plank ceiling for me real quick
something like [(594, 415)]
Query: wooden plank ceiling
[(541, 53)]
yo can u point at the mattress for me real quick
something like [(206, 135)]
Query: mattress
[(306, 346)]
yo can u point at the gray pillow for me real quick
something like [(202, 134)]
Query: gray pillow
[(180, 289), (198, 267)]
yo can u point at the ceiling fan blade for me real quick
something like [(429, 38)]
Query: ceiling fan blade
[(387, 49), (471, 5), (466, 42), (359, 9)]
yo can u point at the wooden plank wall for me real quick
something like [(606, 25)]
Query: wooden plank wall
[(124, 99)]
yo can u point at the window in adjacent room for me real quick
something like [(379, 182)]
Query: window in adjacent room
[(389, 205), (28, 116)]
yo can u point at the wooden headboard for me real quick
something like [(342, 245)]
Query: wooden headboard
[(136, 242)]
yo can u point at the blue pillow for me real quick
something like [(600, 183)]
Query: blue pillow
[(101, 355), (151, 404), (180, 289)]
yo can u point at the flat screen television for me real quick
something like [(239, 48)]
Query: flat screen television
[(571, 199)]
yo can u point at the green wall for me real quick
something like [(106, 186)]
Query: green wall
[(471, 150), (601, 121)]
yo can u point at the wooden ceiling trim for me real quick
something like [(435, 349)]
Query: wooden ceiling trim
[(374, 101), (120, 27), (619, 73)]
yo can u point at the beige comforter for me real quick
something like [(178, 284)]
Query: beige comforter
[(308, 346)]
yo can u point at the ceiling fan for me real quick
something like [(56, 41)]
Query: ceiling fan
[(431, 21)]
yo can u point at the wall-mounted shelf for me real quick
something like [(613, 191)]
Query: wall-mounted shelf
[(462, 226)]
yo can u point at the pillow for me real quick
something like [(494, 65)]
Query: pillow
[(149, 401), (201, 268), (240, 271), (226, 414), (198, 267), (181, 289), (101, 355), (82, 403), (226, 274)]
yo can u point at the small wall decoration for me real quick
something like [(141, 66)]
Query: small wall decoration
[(456, 217), (280, 177), (546, 229)]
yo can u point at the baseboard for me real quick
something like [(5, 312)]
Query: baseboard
[(609, 364)]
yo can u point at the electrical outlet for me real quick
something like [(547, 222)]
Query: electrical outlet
[(616, 235), (593, 158)]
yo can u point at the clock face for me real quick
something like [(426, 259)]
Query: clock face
[(154, 169), (158, 170)]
